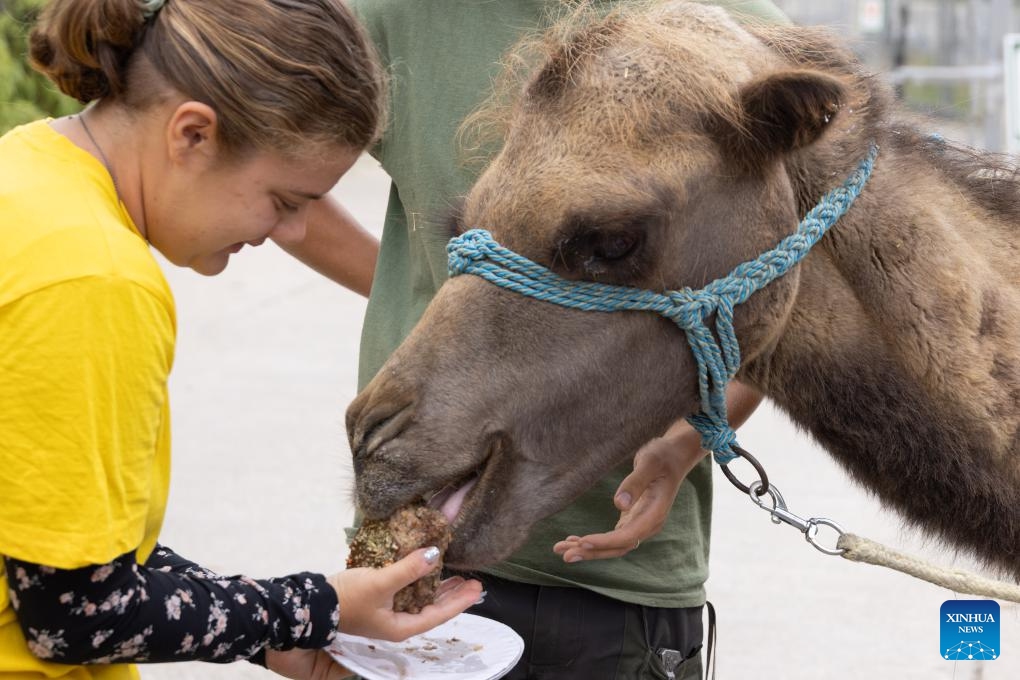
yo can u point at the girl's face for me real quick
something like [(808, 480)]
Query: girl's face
[(230, 206), (203, 209)]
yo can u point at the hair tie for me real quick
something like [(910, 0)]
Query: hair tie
[(151, 7)]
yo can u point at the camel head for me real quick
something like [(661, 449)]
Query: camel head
[(646, 150)]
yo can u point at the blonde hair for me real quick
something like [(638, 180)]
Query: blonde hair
[(285, 75)]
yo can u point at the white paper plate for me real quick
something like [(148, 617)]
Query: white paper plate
[(467, 647)]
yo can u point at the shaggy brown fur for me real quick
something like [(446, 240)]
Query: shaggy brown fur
[(658, 149)]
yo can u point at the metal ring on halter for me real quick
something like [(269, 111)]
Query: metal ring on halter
[(762, 482), (812, 532)]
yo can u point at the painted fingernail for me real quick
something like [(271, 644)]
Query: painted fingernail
[(624, 499), (574, 558), (481, 598), (432, 555)]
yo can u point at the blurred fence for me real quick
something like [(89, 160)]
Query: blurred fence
[(944, 56)]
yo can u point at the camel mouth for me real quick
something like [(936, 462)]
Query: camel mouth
[(456, 499), (449, 500)]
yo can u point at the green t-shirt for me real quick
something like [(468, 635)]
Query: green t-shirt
[(442, 56)]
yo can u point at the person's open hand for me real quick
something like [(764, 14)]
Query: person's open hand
[(644, 498), (366, 598)]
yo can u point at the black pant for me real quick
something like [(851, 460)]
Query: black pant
[(572, 633)]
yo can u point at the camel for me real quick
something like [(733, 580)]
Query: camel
[(657, 148)]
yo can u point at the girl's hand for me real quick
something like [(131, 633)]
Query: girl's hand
[(366, 598)]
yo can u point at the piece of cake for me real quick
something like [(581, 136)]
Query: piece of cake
[(379, 543)]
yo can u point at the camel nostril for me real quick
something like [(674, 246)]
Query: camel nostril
[(379, 425)]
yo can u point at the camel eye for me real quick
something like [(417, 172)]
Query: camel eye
[(602, 252), (614, 245)]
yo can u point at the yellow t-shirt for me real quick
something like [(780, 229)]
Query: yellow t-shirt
[(87, 329)]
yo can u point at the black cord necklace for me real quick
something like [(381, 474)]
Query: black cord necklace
[(102, 155)]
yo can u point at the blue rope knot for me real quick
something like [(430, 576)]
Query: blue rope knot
[(718, 439), (716, 353), (689, 307), (473, 247)]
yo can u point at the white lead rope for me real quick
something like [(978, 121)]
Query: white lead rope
[(859, 549)]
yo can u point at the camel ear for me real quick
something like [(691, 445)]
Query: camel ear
[(780, 113)]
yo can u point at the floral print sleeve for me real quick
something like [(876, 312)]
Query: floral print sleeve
[(168, 609)]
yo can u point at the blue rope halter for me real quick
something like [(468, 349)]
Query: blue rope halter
[(475, 252)]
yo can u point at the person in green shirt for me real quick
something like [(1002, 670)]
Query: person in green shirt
[(581, 616)]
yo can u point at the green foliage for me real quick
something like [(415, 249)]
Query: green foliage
[(24, 94)]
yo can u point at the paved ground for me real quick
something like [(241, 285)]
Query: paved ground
[(265, 367)]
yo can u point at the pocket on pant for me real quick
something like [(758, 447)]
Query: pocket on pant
[(690, 668)]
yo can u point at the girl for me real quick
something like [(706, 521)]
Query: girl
[(216, 124)]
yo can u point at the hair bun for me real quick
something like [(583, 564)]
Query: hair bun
[(83, 45)]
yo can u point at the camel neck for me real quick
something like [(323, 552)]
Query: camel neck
[(899, 355)]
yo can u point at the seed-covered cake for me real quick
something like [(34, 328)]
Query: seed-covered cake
[(380, 543)]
